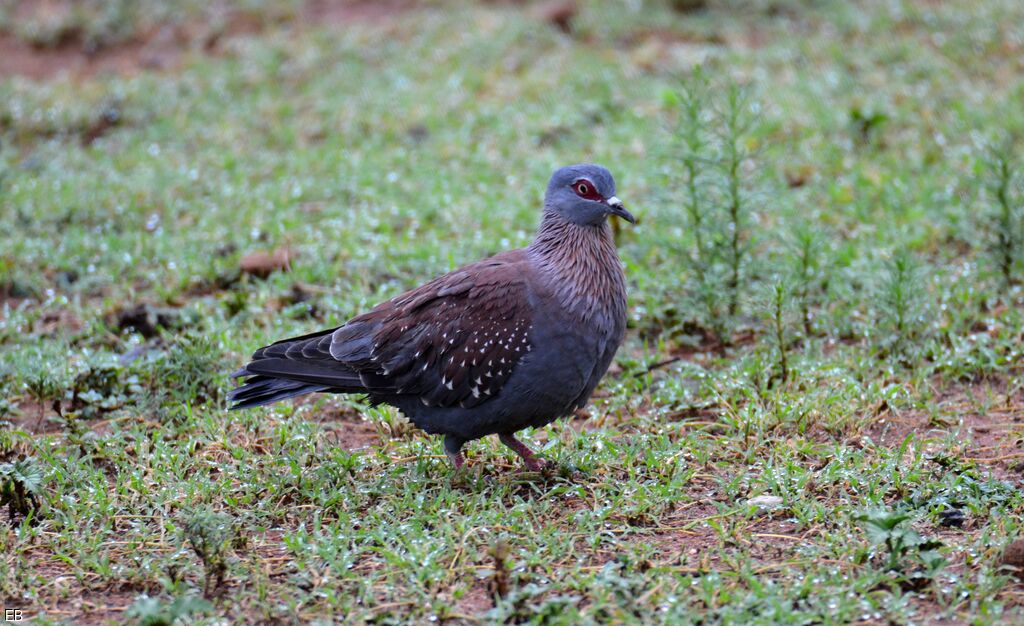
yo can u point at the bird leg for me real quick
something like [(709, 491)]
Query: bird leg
[(453, 450), (532, 462), (457, 459)]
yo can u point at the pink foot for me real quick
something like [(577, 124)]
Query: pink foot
[(532, 462), (453, 449), (536, 464), (457, 459)]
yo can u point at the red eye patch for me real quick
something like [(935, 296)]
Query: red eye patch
[(586, 189)]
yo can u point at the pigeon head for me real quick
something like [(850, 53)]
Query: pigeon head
[(584, 194)]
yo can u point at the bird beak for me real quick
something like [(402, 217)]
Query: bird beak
[(617, 209)]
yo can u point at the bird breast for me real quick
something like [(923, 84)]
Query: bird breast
[(584, 277)]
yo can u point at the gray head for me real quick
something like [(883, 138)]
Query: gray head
[(584, 194)]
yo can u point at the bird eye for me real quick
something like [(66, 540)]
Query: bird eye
[(582, 189)]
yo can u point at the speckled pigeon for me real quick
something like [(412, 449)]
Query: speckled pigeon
[(516, 340)]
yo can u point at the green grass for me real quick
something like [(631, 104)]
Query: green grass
[(873, 268)]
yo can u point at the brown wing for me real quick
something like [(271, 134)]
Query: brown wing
[(452, 342)]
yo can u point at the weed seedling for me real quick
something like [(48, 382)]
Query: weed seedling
[(211, 535), (907, 553), (736, 124), (20, 484), (1007, 222), (807, 261), (901, 299), (715, 194), (780, 296), (499, 581), (149, 611)]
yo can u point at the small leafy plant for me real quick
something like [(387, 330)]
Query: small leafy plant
[(102, 386), (212, 536), (808, 261), (42, 386), (189, 368), (901, 300), (1005, 227), (777, 309), (20, 485), (149, 611), (714, 152), (907, 553)]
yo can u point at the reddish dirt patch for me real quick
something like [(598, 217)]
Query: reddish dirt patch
[(164, 46), (262, 263), (44, 419), (94, 608), (8, 301), (989, 414), (57, 321), (80, 599), (352, 435), (682, 539), (18, 58), (477, 600), (33, 417), (274, 557), (342, 426), (342, 11), (891, 430)]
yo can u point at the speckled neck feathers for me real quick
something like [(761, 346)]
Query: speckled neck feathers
[(581, 267)]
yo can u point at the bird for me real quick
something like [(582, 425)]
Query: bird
[(516, 340)]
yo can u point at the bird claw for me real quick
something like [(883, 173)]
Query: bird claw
[(456, 459), (535, 464)]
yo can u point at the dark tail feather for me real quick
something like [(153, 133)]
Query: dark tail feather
[(261, 390), (297, 366)]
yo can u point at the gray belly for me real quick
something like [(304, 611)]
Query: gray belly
[(556, 377)]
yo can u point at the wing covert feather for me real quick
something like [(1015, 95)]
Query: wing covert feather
[(451, 342)]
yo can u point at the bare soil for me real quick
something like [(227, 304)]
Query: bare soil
[(164, 47)]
